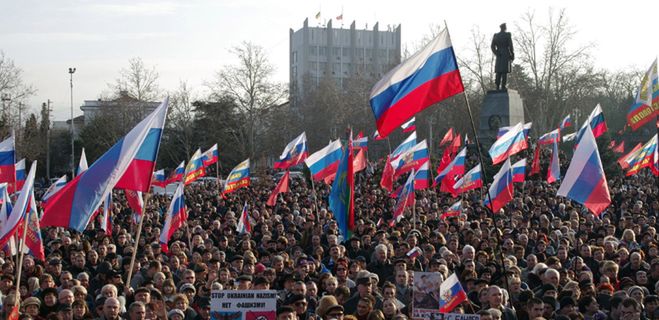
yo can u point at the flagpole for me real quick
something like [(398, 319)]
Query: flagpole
[(485, 177), (26, 221), (147, 196), (315, 200), (217, 174)]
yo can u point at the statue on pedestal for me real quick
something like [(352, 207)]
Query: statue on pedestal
[(502, 47)]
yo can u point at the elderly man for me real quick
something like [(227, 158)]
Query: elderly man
[(495, 301)]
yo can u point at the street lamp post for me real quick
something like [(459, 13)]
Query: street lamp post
[(73, 156), (5, 109)]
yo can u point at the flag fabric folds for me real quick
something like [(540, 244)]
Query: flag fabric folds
[(376, 136), (238, 177), (512, 142), (427, 77), (341, 198), (282, 186), (175, 217), (455, 168), (519, 171), (8, 162), (409, 126), (74, 205), (323, 163), (361, 142), (82, 165), (244, 226), (405, 199), (20, 174), (569, 137), (412, 159), (404, 146), (625, 160), (501, 189), (451, 294), (54, 188), (138, 174), (210, 156), (646, 105), (455, 209), (620, 148), (585, 181), (471, 180), (135, 201), (387, 180), (554, 171), (106, 217), (195, 168), (5, 210), (294, 153), (20, 208), (359, 162)]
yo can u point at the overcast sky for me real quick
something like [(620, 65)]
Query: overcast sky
[(189, 40)]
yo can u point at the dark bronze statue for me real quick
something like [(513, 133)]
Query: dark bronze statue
[(502, 47)]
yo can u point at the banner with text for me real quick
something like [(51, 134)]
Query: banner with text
[(426, 296), (244, 305)]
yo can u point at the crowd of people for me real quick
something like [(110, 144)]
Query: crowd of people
[(542, 257)]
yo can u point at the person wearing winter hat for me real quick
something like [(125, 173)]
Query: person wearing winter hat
[(176, 314), (328, 307)]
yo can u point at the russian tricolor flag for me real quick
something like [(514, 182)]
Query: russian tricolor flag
[(360, 142), (138, 174), (454, 210), (325, 162), (376, 136), (177, 174), (20, 208), (238, 177), (405, 199), (20, 174), (510, 143), (550, 137), (106, 218), (8, 162), (451, 294), (74, 205), (471, 180), (644, 157), (519, 171), (412, 159), (407, 144), (429, 76), (567, 122), (244, 226), (294, 153), (159, 178), (409, 126), (195, 168), (82, 165), (585, 181), (554, 171), (175, 217), (211, 156), (5, 210), (501, 190), (422, 177), (503, 130), (33, 241), (596, 121), (54, 188)]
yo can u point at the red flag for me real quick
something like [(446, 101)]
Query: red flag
[(448, 182), (14, 314), (535, 166), (448, 137), (282, 186), (135, 202), (612, 144), (446, 159), (359, 163), (457, 143), (619, 148), (387, 180)]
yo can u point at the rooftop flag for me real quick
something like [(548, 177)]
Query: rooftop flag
[(427, 77)]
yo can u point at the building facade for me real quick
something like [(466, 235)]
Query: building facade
[(337, 53)]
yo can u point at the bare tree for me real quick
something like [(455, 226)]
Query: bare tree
[(181, 120), (14, 91), (479, 61), (138, 81), (250, 85)]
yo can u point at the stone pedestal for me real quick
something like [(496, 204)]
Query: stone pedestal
[(499, 109)]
